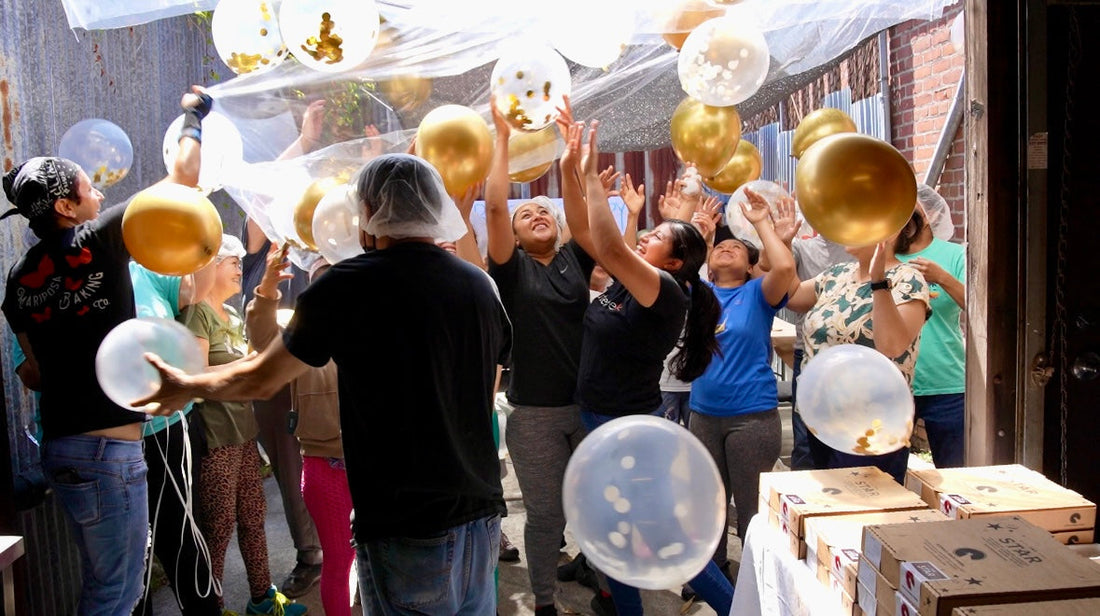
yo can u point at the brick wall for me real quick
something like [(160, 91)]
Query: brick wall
[(924, 75)]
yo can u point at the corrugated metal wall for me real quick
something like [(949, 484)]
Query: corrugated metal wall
[(49, 80)]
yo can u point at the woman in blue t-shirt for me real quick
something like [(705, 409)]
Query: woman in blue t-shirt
[(630, 329), (734, 404)]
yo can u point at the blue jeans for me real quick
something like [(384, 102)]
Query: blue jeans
[(100, 485), (943, 416), (801, 460), (448, 574), (675, 406)]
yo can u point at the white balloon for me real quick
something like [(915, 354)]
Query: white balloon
[(330, 35), (741, 228), (222, 149), (530, 81), (958, 33), (599, 38), (723, 61), (246, 35), (336, 224), (120, 365), (101, 148), (645, 501), (855, 400)]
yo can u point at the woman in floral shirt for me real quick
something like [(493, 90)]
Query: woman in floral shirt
[(876, 301)]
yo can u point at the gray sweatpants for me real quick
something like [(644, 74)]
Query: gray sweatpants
[(743, 446), (540, 440)]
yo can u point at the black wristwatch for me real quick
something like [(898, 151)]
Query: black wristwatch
[(881, 285)]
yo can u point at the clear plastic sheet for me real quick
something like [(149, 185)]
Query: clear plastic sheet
[(100, 15), (453, 45)]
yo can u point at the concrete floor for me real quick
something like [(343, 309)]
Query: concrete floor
[(515, 591)]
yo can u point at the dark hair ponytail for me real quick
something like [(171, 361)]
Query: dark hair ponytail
[(909, 233), (699, 344)]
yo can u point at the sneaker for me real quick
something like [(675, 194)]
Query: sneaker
[(277, 604), (586, 576), (508, 552), (687, 594), (301, 579), (603, 605), (568, 571)]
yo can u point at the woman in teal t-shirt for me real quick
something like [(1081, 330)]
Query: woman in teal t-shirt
[(939, 381)]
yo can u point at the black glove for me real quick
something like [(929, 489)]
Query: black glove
[(192, 117)]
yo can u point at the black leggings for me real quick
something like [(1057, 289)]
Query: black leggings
[(176, 541)]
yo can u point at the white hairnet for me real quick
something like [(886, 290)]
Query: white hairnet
[(405, 197), (555, 211), (936, 212), (231, 247)]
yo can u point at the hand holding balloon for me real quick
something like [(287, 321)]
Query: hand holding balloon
[(877, 269), (176, 389), (312, 123)]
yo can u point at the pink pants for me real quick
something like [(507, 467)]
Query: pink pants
[(325, 490)]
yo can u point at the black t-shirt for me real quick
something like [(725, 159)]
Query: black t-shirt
[(546, 304), (625, 345), (66, 294), (416, 334)]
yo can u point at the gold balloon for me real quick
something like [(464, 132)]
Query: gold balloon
[(530, 155), (854, 189), (172, 229), (705, 135), (745, 166), (457, 142), (685, 17), (407, 92), (303, 211), (818, 124)]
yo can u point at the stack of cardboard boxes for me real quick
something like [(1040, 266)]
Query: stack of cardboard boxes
[(949, 544), (963, 493), (932, 568), (794, 500)]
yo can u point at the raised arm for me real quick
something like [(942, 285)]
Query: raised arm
[(185, 169), (310, 135), (466, 246), (572, 190), (260, 322), (498, 223), (640, 278), (777, 281), (634, 198), (895, 326)]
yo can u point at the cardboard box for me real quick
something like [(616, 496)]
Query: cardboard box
[(795, 543), (837, 539), (876, 588), (1011, 489), (798, 495), (1070, 607), (939, 566), (866, 600)]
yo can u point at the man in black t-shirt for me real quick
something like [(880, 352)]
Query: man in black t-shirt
[(66, 293), (416, 335)]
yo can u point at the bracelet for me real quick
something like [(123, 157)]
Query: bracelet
[(192, 132), (881, 285), (278, 295)]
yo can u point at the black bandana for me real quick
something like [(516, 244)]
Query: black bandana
[(36, 184)]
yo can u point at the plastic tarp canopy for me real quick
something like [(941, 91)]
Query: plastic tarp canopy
[(100, 15)]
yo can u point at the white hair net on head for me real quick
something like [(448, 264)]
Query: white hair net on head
[(405, 197), (936, 212), (231, 247), (555, 211)]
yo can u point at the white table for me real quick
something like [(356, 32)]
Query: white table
[(11, 549), (772, 582)]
